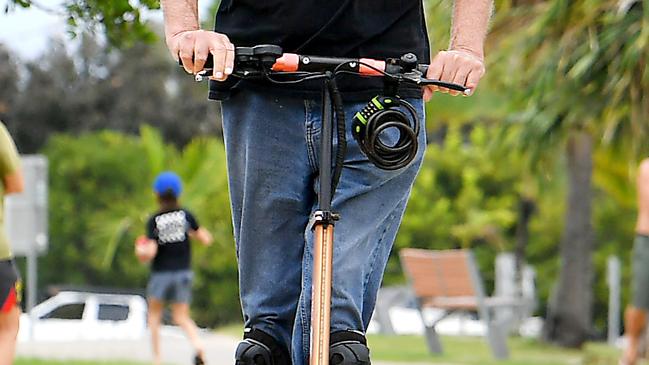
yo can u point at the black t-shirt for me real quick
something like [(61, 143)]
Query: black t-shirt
[(170, 229), (337, 28)]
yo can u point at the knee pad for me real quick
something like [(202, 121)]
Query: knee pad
[(348, 348), (260, 348)]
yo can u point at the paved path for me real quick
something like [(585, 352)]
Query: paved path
[(175, 349)]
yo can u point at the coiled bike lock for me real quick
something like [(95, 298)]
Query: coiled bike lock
[(374, 129)]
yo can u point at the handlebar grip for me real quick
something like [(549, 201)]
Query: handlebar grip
[(447, 85), (264, 53)]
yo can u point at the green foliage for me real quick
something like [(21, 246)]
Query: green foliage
[(462, 195), (467, 195), (84, 181), (120, 20), (463, 198), (101, 197), (579, 65)]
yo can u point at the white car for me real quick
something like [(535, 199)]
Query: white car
[(74, 316)]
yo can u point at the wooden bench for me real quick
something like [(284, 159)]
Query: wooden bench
[(450, 280)]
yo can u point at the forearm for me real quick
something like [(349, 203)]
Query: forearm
[(13, 183), (180, 16), (202, 235), (205, 237), (470, 25)]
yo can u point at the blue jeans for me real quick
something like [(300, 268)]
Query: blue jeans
[(272, 146)]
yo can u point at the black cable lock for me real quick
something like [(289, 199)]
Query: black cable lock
[(379, 115)]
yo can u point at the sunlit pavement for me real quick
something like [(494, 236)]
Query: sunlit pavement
[(175, 349)]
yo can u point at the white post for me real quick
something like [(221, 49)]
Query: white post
[(32, 279), (506, 286), (614, 310)]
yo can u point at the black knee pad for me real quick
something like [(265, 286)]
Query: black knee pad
[(348, 348), (260, 348)]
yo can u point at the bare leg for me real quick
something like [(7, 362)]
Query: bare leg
[(634, 322), (9, 323), (180, 314), (154, 318)]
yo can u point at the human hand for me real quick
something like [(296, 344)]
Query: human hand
[(460, 67), (193, 47), (145, 249)]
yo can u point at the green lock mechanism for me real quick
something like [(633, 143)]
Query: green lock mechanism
[(381, 117)]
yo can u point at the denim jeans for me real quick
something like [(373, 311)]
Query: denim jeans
[(272, 146)]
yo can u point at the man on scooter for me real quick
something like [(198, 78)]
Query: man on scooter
[(271, 136)]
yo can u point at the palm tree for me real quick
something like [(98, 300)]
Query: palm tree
[(581, 71)]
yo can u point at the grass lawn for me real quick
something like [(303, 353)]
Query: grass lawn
[(474, 351), (233, 329)]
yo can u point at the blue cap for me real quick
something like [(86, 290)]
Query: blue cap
[(168, 182)]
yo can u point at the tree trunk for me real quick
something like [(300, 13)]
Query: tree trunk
[(526, 208), (569, 317)]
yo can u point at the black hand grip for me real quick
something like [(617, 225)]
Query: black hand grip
[(265, 53), (447, 85)]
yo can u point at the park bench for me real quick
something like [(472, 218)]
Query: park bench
[(450, 280)]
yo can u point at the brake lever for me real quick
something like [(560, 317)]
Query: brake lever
[(201, 75), (208, 68), (416, 77)]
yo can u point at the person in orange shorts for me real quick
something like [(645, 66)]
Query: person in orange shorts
[(11, 181)]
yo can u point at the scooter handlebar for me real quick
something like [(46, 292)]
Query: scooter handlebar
[(250, 60)]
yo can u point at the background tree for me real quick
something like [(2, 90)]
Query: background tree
[(9, 82), (93, 87), (120, 20), (576, 62)]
